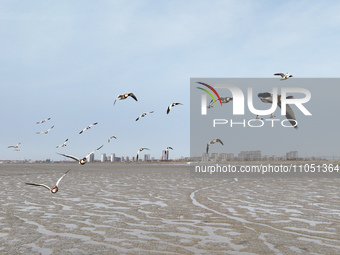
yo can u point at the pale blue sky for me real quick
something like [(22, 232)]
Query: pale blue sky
[(68, 60)]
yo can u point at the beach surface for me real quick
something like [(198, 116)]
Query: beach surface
[(162, 209)]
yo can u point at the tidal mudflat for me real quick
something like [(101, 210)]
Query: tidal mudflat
[(161, 209)]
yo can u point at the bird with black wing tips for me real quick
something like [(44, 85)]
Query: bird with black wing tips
[(170, 106), (141, 149), (216, 140), (62, 145), (45, 132), (81, 161), (143, 115), (42, 121), (16, 147), (111, 137), (52, 190), (125, 96), (88, 127), (284, 76)]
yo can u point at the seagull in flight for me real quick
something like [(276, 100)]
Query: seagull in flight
[(81, 161), (54, 189), (172, 105), (267, 97), (62, 145), (16, 147), (109, 139), (125, 96), (42, 121), (284, 76), (88, 127), (167, 149), (45, 132), (258, 117), (212, 142), (143, 115), (141, 149)]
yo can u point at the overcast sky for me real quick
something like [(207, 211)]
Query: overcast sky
[(68, 60)]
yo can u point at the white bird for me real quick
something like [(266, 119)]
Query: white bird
[(212, 142), (45, 132), (224, 100), (62, 145), (54, 189), (167, 150), (81, 161), (172, 105), (88, 127), (42, 121), (143, 115), (109, 139), (267, 97), (125, 96), (284, 76), (14, 146), (141, 149)]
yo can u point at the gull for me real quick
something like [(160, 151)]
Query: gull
[(267, 97), (88, 127), (54, 189), (125, 96), (45, 132), (139, 151), (62, 145), (212, 142), (172, 105), (167, 149), (258, 117), (42, 121), (143, 115), (109, 139), (14, 146), (224, 100), (284, 76), (83, 160)]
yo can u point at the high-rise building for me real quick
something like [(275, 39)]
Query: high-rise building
[(90, 158), (103, 157), (113, 156)]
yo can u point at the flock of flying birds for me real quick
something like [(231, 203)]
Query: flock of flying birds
[(265, 97), (83, 160)]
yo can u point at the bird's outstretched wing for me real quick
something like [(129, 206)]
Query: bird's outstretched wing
[(62, 177), (69, 156), (94, 151), (281, 74), (133, 96), (42, 185)]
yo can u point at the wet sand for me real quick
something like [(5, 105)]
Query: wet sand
[(160, 209)]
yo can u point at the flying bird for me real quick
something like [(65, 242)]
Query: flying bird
[(143, 115), (42, 121), (45, 132), (81, 161), (224, 100), (167, 150), (284, 76), (62, 145), (54, 189), (267, 97), (88, 127), (172, 105), (212, 142), (109, 139), (14, 146), (141, 149), (258, 117), (125, 96)]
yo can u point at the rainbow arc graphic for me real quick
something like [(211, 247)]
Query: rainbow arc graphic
[(209, 93)]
